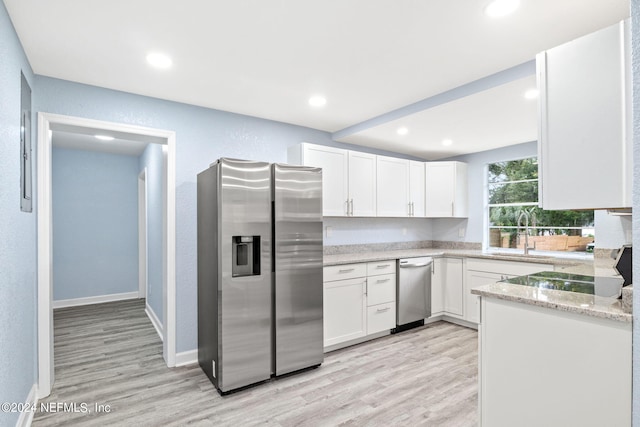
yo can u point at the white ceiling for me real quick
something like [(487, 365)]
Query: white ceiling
[(265, 58)]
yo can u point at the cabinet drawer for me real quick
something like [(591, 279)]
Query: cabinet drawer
[(381, 267), (381, 317), (346, 271), (381, 289)]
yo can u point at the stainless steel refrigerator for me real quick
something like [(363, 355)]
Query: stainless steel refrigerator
[(259, 271)]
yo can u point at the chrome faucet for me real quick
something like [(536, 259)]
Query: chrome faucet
[(525, 214)]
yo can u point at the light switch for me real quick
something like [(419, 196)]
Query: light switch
[(461, 232), (329, 231)]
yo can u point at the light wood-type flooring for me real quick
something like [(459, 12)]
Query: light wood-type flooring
[(110, 354)]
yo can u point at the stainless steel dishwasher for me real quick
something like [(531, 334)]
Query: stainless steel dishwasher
[(413, 293)]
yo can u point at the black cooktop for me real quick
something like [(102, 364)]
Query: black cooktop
[(604, 286)]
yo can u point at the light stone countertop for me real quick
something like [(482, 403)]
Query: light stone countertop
[(569, 265), (608, 308), (572, 302)]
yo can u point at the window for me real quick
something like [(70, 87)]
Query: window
[(513, 211)]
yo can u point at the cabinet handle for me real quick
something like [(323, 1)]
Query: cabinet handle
[(409, 208), (383, 266), (413, 210), (452, 209), (346, 270), (382, 280), (351, 203), (382, 310), (346, 202)]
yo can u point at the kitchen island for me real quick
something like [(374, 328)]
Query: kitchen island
[(553, 357)]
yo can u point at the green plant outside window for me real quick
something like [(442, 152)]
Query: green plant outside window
[(513, 189)]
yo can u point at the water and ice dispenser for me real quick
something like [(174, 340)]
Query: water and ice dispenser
[(245, 258)]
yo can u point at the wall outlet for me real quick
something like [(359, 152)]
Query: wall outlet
[(329, 231), (461, 232), (404, 231)]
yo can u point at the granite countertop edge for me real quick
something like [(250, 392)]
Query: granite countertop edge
[(570, 302), (340, 259)]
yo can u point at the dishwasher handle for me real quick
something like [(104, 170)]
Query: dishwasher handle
[(416, 265)]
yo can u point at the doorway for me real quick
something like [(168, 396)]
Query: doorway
[(47, 124), (142, 234)]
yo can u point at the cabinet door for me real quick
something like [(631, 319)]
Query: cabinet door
[(345, 310), (453, 286), (334, 164), (472, 302), (439, 189), (437, 287), (585, 108), (392, 187), (416, 188), (362, 183)]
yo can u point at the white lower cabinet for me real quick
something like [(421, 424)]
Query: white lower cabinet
[(437, 287), (482, 272), (472, 302), (453, 285), (359, 300), (446, 287), (345, 310)]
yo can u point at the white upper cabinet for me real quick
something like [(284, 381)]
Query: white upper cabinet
[(446, 189), (416, 188), (400, 187), (348, 178), (334, 163), (585, 117), (362, 184), (393, 187)]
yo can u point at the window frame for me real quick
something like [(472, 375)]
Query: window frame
[(486, 241)]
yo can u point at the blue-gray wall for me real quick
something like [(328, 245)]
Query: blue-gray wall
[(202, 135), (152, 160), (17, 235), (95, 223)]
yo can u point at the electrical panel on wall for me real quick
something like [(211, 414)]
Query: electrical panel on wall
[(25, 147)]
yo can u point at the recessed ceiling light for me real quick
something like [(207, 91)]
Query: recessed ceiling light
[(447, 142), (317, 101), (402, 131), (500, 8), (159, 60), (531, 94), (104, 137)]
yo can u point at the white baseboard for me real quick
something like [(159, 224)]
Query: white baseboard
[(154, 320), (94, 300), (26, 417), (186, 358)]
